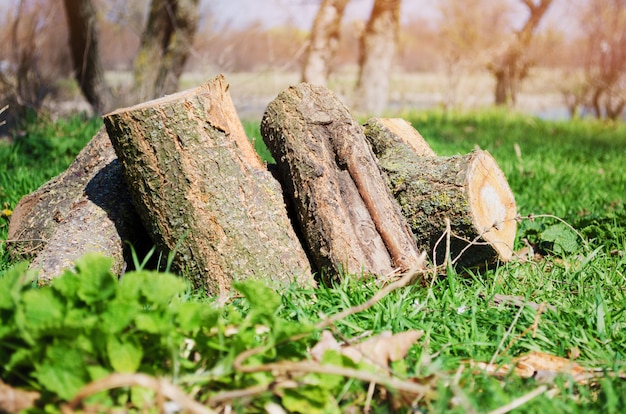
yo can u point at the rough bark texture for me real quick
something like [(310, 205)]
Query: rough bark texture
[(396, 134), (378, 46), (88, 70), (469, 190), (85, 209), (203, 193), (165, 45), (324, 42), (349, 219)]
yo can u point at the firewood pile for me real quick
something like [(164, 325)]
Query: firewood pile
[(180, 173)]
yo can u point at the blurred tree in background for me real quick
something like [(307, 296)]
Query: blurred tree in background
[(511, 65), (581, 49), (84, 43), (603, 85), (324, 42), (377, 51), (165, 45), (31, 63)]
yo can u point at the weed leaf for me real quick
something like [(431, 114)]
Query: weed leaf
[(310, 399), (191, 316), (161, 288), (564, 239), (118, 316), (124, 356), (98, 283), (42, 309), (11, 284), (264, 302), (151, 322), (62, 371)]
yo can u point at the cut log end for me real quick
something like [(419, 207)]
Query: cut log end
[(470, 190), (492, 204)]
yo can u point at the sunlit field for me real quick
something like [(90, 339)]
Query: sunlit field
[(566, 301)]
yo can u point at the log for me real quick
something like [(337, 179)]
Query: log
[(469, 190), (349, 218), (384, 134), (56, 224), (203, 193)]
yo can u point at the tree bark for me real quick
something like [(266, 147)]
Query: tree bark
[(83, 39), (165, 45), (469, 190), (396, 134), (349, 219), (378, 45), (324, 42), (203, 193), (85, 209)]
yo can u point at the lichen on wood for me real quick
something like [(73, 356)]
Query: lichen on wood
[(87, 208), (203, 193), (468, 190)]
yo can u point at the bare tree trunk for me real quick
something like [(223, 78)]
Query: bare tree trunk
[(511, 67), (324, 42), (378, 46), (165, 45), (88, 70)]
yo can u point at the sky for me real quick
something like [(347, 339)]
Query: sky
[(300, 13)]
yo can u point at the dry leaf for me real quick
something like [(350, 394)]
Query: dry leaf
[(573, 353), (13, 400), (543, 364), (543, 367), (380, 349), (328, 342), (386, 347)]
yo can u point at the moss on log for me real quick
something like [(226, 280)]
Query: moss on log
[(469, 190), (203, 193)]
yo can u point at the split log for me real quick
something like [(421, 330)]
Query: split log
[(203, 193), (348, 216), (87, 208), (469, 190)]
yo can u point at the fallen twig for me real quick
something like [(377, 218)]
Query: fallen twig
[(160, 386), (518, 402), (418, 390), (314, 367)]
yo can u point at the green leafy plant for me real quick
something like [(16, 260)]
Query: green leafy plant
[(87, 325), (559, 239)]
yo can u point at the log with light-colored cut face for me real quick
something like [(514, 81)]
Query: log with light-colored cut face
[(491, 203), (469, 190)]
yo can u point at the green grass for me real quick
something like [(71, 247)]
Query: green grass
[(572, 170), (40, 150)]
